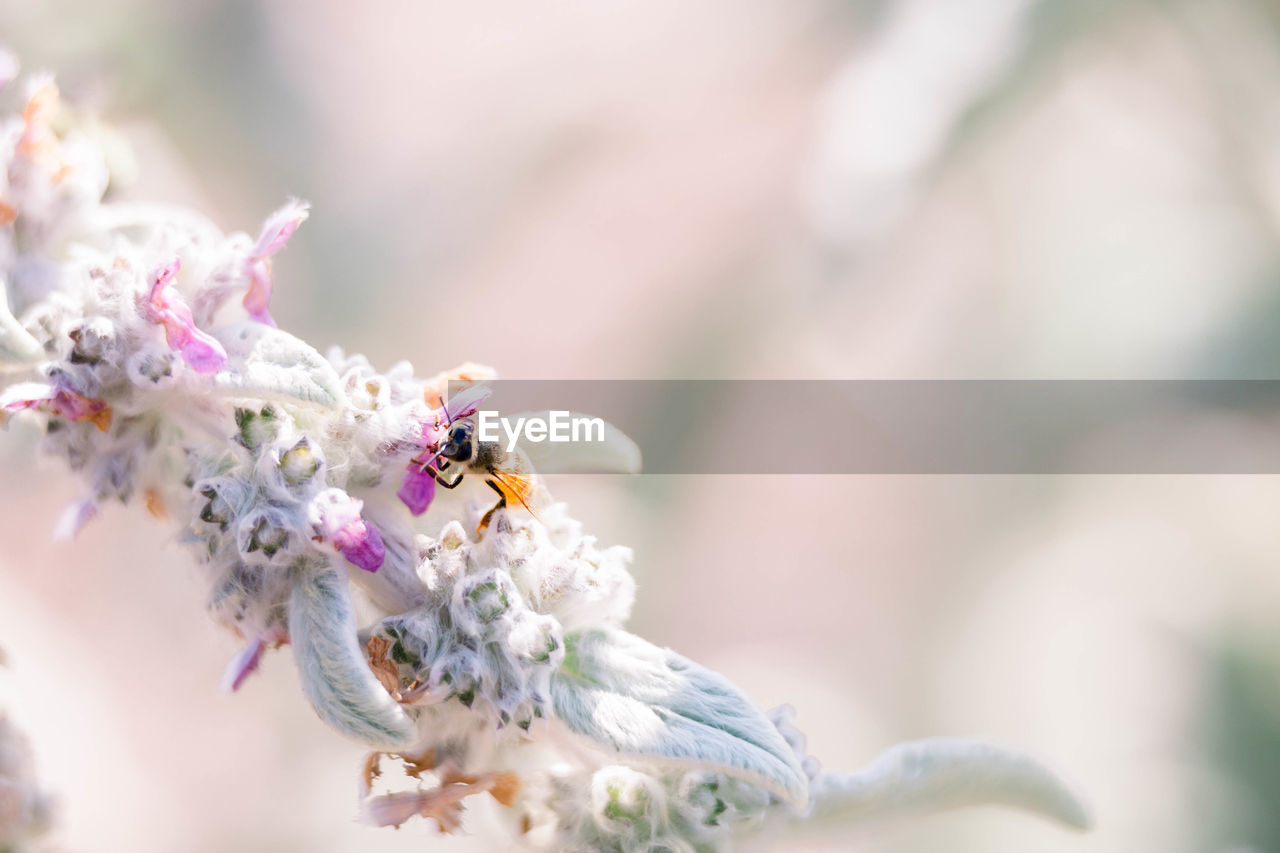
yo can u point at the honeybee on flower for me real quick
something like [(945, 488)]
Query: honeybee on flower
[(453, 447)]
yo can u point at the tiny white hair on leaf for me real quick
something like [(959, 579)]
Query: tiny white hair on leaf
[(938, 774), (636, 698), (615, 453), (17, 345), (273, 365), (335, 675)]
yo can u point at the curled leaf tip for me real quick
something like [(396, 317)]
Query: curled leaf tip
[(939, 774), (334, 672)]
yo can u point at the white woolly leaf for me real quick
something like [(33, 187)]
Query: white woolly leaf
[(631, 696), (946, 773), (268, 364), (17, 346), (615, 454), (335, 675)]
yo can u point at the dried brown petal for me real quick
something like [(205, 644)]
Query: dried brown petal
[(387, 673)]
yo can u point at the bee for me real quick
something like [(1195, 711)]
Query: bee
[(459, 451), (509, 473)]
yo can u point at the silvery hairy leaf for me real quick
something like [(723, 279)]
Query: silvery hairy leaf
[(17, 346), (946, 773), (268, 364), (335, 675), (615, 453), (634, 697)]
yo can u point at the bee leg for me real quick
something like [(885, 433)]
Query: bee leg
[(437, 474), (488, 516)]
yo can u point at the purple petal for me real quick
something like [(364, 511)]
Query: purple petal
[(166, 307), (203, 352), (417, 489), (362, 545), (243, 664), (74, 518), (258, 297), (57, 401), (335, 517), (278, 228), (25, 395), (160, 279)]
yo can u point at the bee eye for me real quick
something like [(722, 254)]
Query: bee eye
[(458, 444)]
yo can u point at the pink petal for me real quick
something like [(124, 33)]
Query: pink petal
[(243, 664), (335, 516), (166, 307), (434, 430), (203, 352), (25, 395), (417, 490), (276, 232), (76, 407), (362, 545), (56, 401), (161, 279), (74, 518), (258, 296), (278, 228)]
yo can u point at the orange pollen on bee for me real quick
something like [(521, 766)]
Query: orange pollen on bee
[(8, 213)]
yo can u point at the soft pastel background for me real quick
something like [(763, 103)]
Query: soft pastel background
[(726, 188)]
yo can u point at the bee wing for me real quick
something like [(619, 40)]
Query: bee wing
[(614, 454), (465, 402), (520, 483)]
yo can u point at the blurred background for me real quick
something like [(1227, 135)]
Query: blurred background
[(748, 189)]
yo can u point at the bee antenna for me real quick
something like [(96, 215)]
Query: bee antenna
[(425, 465)]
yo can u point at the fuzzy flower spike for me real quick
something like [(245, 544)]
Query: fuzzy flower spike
[(490, 662)]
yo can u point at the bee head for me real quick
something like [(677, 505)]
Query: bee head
[(458, 442)]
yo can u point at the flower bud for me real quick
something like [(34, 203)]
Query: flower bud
[(299, 464), (257, 428), (625, 801), (152, 367), (224, 499), (93, 341), (265, 530)]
